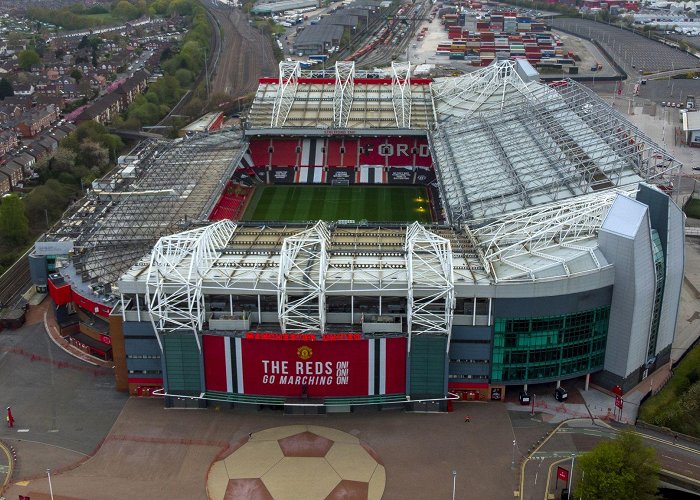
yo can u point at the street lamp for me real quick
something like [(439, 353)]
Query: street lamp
[(454, 483), (48, 473), (571, 476)]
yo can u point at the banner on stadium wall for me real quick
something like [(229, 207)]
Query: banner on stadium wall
[(297, 368), (341, 175), (282, 175)]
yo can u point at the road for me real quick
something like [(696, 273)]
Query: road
[(62, 406), (577, 436)]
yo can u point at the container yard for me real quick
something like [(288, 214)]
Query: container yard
[(502, 35)]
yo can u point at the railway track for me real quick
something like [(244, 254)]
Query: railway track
[(15, 281), (384, 53), (246, 53)]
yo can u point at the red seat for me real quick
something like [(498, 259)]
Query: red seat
[(334, 157), (259, 152), (284, 152), (231, 203)]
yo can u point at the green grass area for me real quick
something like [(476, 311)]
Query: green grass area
[(677, 405), (307, 203), (692, 208)]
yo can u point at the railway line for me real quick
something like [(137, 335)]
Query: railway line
[(390, 40), (246, 53), (15, 281)]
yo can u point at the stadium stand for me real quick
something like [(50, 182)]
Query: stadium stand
[(231, 204), (284, 152), (404, 152)]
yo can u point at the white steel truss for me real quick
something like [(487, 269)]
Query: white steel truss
[(535, 231), (401, 93), (344, 92), (179, 262), (431, 298), (286, 90), (497, 83), (526, 144), (301, 284)]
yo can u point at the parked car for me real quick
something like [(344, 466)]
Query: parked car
[(524, 398), (560, 394)]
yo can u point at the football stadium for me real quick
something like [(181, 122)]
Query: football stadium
[(378, 239)]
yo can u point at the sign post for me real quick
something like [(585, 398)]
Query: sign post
[(562, 474)]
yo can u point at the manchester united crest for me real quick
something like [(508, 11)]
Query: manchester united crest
[(304, 352)]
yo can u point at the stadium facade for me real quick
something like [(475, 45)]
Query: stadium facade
[(554, 250)]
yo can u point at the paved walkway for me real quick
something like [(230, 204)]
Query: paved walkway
[(298, 462), (6, 464), (43, 312)]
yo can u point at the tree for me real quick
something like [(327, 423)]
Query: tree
[(619, 469), (50, 199), (13, 223), (63, 160), (93, 154), (77, 75), (6, 89), (27, 59)]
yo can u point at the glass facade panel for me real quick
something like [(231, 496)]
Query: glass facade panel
[(529, 349), (659, 268)]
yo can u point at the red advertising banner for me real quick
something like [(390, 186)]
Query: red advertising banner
[(304, 367), (90, 305), (562, 474), (298, 369)]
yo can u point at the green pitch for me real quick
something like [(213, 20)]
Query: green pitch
[(330, 203)]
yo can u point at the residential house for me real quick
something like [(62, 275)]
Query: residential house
[(8, 141), (24, 90), (103, 110), (33, 122), (27, 162), (133, 87), (36, 152), (49, 143), (58, 134), (44, 99), (21, 101), (5, 184), (12, 172)]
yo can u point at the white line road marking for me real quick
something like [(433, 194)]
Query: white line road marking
[(22, 430), (672, 458), (693, 465), (53, 430)]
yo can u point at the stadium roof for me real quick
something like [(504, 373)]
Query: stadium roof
[(303, 265), (164, 188), (344, 99), (503, 143)]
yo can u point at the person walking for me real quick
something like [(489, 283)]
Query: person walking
[(467, 418)]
